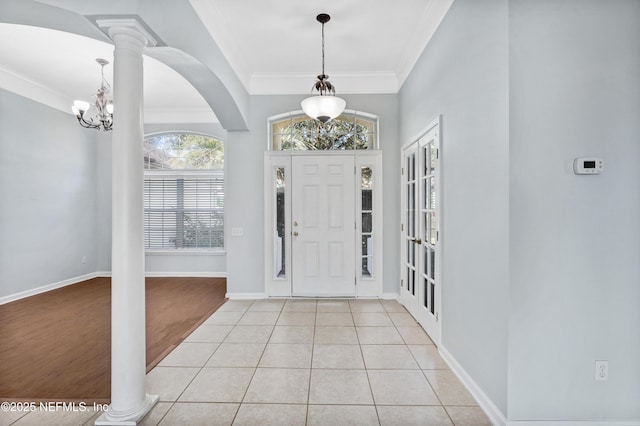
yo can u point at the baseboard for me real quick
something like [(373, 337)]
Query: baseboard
[(173, 274), (494, 414), (245, 296), (390, 296), (187, 274), (573, 423), (48, 287)]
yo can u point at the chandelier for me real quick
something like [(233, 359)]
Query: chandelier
[(325, 105), (99, 113)]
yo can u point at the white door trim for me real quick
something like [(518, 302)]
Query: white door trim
[(280, 286)]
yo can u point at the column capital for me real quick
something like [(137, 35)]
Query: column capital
[(128, 30)]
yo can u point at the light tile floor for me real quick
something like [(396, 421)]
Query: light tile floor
[(300, 362)]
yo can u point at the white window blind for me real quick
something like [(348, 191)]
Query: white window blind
[(184, 211)]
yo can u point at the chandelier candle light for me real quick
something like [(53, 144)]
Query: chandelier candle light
[(326, 105), (100, 114)]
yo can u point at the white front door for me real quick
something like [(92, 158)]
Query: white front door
[(420, 288), (323, 226)]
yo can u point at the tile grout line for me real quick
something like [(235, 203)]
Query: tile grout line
[(255, 370), (366, 370)]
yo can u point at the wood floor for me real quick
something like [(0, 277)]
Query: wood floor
[(56, 346)]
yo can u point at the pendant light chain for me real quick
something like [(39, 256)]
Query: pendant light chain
[(323, 48)]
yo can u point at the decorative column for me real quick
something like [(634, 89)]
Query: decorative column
[(129, 400)]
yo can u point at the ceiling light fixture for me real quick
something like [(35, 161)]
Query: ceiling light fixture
[(326, 105), (100, 114)]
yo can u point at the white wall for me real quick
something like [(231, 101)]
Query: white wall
[(47, 193), (575, 240), (245, 199), (463, 75)]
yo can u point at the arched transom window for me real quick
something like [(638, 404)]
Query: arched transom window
[(297, 132)]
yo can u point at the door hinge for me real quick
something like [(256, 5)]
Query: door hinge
[(401, 283), (437, 235), (401, 227), (437, 318), (402, 171), (437, 153)]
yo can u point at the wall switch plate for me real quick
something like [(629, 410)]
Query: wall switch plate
[(602, 371), (237, 232)]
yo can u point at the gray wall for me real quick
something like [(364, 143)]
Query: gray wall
[(245, 200), (575, 274), (463, 75), (47, 188), (524, 87)]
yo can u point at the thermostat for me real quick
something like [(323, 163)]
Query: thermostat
[(588, 166)]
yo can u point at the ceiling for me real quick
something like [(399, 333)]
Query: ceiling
[(274, 46)]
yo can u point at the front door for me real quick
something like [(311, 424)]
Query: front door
[(323, 226)]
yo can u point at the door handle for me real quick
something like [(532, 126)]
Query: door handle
[(418, 241), (295, 233)]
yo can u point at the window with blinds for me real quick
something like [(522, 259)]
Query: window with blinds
[(183, 192)]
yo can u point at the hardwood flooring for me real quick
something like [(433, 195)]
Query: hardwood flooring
[(56, 346)]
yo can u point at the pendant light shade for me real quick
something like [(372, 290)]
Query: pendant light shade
[(323, 107), (326, 105)]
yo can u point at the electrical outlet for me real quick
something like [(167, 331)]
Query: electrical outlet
[(602, 371)]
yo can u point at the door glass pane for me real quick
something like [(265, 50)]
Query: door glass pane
[(367, 199), (425, 284), (433, 227), (367, 266), (366, 222), (425, 228), (280, 258), (433, 297), (432, 263), (432, 148), (425, 160), (432, 194)]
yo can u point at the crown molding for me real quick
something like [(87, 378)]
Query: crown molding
[(429, 22), (35, 91)]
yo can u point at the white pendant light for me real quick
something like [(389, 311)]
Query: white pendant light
[(326, 105)]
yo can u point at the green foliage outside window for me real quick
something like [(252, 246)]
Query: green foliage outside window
[(342, 133), (183, 151)]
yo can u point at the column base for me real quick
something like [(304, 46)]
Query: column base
[(111, 418)]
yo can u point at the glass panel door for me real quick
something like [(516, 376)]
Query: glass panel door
[(420, 283), (410, 228)]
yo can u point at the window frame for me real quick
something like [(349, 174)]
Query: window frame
[(187, 173), (348, 112)]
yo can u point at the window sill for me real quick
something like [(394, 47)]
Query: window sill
[(219, 252)]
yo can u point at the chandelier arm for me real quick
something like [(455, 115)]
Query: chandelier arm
[(87, 124)]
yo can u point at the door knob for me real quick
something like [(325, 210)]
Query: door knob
[(295, 233), (295, 223), (418, 241)]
